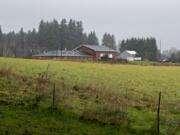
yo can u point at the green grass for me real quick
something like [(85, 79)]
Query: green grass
[(91, 98), (19, 120)]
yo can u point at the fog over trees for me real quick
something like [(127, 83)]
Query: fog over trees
[(67, 34), (109, 41), (49, 36), (145, 47)]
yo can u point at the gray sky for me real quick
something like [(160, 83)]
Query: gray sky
[(124, 18)]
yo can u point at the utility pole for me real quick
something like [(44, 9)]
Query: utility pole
[(23, 46), (160, 49), (15, 51), (57, 52), (61, 49), (53, 96)]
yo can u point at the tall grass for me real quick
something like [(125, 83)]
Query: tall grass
[(120, 95)]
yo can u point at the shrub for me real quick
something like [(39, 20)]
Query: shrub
[(6, 71), (106, 114)]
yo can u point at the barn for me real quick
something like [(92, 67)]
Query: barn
[(129, 55), (97, 51), (62, 54), (92, 52)]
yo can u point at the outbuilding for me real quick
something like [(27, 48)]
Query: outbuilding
[(93, 52), (62, 54), (129, 55), (97, 51)]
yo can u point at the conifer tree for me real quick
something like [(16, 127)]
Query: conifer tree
[(146, 48), (109, 41), (1, 44), (92, 39)]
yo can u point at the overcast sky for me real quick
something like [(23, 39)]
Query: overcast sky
[(123, 18)]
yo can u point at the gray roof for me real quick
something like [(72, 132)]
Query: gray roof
[(63, 53), (99, 48)]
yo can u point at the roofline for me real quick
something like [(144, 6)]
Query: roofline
[(94, 50), (62, 55)]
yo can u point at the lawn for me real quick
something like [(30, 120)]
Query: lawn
[(90, 98)]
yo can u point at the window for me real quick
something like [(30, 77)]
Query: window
[(101, 54), (110, 56)]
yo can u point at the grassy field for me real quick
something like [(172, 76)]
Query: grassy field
[(90, 98)]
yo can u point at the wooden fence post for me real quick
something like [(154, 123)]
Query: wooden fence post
[(158, 114), (54, 96)]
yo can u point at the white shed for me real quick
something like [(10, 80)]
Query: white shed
[(129, 56)]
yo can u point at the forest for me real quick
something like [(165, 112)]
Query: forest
[(68, 34)]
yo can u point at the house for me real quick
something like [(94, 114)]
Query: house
[(63, 54), (94, 52), (97, 51), (129, 56)]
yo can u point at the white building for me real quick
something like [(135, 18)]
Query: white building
[(129, 56)]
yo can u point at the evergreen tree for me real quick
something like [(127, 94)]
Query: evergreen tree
[(0, 34), (109, 41), (92, 39), (79, 33), (63, 34), (11, 45), (71, 35), (122, 46), (146, 48), (54, 34), (1, 44), (42, 35), (175, 57), (49, 35), (20, 41), (84, 38), (31, 42), (75, 33)]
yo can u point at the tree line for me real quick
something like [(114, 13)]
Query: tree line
[(172, 55), (145, 47), (53, 35), (49, 36), (175, 57)]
